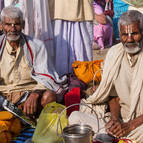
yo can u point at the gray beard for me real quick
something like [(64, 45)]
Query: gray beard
[(134, 50), (15, 38)]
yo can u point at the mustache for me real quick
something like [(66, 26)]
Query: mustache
[(13, 33), (132, 44)]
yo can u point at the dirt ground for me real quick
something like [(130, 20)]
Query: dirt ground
[(99, 54)]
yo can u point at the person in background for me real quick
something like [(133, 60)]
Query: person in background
[(121, 87), (103, 33), (25, 66), (72, 23)]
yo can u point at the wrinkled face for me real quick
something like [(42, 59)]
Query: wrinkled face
[(12, 28), (131, 37)]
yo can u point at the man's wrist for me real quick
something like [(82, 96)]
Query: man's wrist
[(35, 93), (136, 122), (115, 118)]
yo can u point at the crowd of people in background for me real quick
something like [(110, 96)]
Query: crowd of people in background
[(69, 33)]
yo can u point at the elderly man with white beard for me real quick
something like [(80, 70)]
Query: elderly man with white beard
[(26, 67), (121, 86)]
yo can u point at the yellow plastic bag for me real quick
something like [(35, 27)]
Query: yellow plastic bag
[(85, 70), (46, 129)]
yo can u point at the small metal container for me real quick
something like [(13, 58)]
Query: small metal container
[(77, 134)]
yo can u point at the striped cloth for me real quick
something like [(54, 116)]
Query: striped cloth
[(24, 135)]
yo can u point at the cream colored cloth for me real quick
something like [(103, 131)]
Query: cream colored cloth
[(123, 87), (135, 3), (110, 72), (128, 81), (140, 9), (123, 83), (134, 6), (15, 72), (71, 10), (137, 134), (13, 97)]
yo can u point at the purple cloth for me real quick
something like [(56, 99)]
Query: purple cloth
[(102, 33), (1, 5), (97, 8)]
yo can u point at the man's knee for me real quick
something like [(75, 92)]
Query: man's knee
[(48, 97)]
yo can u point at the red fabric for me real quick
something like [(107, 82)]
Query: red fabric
[(72, 97), (110, 12)]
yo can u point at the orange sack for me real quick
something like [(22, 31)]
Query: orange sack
[(85, 70), (10, 126)]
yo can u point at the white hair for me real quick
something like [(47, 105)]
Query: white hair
[(130, 17), (11, 12)]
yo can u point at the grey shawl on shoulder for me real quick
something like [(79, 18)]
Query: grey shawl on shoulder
[(42, 68)]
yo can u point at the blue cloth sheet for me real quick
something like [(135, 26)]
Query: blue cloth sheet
[(24, 135)]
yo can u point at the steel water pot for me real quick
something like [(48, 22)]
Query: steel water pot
[(76, 133)]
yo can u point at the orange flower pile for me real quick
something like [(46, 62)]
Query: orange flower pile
[(10, 126)]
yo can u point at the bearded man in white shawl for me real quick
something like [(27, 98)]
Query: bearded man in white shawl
[(27, 74), (121, 87)]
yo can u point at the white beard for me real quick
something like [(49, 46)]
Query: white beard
[(12, 37), (133, 49)]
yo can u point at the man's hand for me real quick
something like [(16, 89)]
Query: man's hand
[(30, 105), (117, 129)]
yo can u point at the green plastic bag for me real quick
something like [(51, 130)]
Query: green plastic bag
[(46, 129)]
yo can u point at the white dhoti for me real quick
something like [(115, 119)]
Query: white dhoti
[(98, 125)]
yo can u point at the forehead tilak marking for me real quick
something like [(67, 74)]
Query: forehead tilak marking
[(129, 29)]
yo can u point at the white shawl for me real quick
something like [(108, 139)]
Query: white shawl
[(110, 73)]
